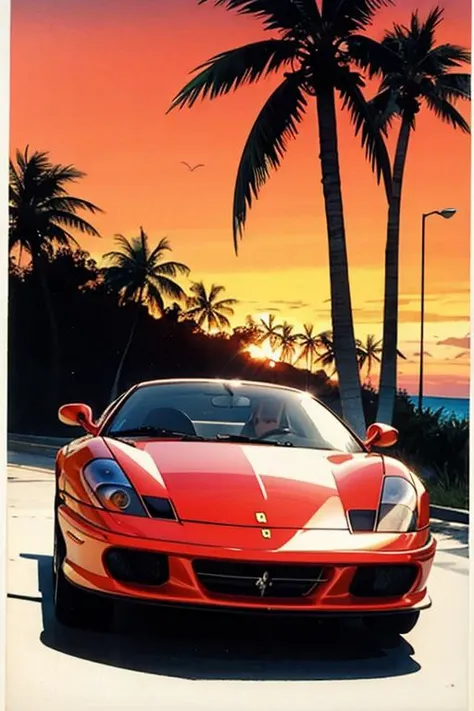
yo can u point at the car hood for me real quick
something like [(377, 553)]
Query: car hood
[(243, 485)]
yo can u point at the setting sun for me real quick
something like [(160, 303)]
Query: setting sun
[(263, 352)]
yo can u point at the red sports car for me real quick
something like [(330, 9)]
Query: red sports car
[(238, 496)]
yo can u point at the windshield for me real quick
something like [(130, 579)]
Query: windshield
[(225, 410)]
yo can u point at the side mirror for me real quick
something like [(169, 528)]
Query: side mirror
[(78, 414), (380, 435)]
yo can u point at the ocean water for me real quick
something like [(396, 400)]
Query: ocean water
[(457, 406)]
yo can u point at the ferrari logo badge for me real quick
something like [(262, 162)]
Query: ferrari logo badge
[(266, 533), (263, 583), (260, 516)]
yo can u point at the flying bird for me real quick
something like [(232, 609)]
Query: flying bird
[(192, 168)]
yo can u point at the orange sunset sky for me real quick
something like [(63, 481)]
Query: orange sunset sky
[(91, 81)]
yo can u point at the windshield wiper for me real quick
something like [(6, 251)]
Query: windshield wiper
[(155, 432), (251, 440)]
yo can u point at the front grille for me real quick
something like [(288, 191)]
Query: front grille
[(260, 580), (137, 567), (383, 580)]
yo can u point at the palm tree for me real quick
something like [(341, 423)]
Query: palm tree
[(43, 216), (270, 331), (328, 357), (369, 354), (416, 73), (309, 342), (204, 307), (316, 48), (287, 341), (140, 276)]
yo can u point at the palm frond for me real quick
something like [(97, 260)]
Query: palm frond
[(229, 70), (373, 57), (172, 269), (162, 246), (216, 289), (350, 16), (153, 297), (199, 290), (60, 235), (444, 57), (226, 304), (126, 247), (276, 124), (371, 136), (446, 112), (167, 286), (222, 320), (72, 204), (384, 108), (454, 86), (282, 14), (424, 33), (63, 217)]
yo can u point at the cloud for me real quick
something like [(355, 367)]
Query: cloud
[(464, 343), (464, 354), (424, 353), (283, 302), (372, 316), (414, 317)]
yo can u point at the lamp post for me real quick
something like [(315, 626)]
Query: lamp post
[(446, 214)]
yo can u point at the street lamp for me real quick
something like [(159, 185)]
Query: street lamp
[(447, 213)]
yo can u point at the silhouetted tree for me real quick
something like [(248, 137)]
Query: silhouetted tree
[(317, 49), (416, 73), (140, 276)]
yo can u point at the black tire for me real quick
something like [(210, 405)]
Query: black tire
[(74, 607), (399, 623)]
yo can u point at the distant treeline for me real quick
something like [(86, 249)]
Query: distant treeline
[(93, 329)]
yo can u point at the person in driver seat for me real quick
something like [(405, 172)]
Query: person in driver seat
[(267, 416)]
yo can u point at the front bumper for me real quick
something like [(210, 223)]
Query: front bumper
[(87, 545)]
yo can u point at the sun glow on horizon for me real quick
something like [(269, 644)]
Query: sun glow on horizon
[(264, 351)]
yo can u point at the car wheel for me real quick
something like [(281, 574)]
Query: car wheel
[(400, 623), (74, 607)]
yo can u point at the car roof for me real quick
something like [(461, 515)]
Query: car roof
[(230, 381)]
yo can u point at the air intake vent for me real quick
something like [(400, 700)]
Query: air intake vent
[(137, 567), (383, 580), (362, 519), (159, 508)]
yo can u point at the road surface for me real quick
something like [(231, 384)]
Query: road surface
[(176, 662)]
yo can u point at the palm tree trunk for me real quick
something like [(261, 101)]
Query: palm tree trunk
[(388, 371), (115, 387), (55, 365), (342, 323)]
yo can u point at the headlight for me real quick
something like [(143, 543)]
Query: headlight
[(397, 510), (110, 488)]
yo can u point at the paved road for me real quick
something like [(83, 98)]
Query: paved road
[(174, 662)]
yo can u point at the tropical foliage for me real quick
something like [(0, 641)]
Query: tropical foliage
[(319, 53), (139, 275), (417, 73), (42, 217), (207, 308)]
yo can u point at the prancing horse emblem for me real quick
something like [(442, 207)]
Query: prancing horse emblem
[(264, 582), (260, 516)]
